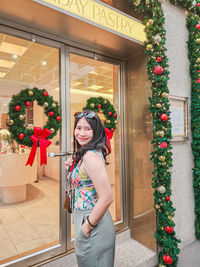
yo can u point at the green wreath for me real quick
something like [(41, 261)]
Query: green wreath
[(17, 109), (102, 105)]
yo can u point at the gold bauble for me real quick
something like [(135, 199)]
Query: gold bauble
[(53, 105), (160, 133), (149, 47), (170, 218), (21, 117), (45, 104), (137, 2), (108, 121), (162, 158), (147, 2), (157, 206), (116, 122), (164, 95), (161, 189), (52, 130), (158, 105), (198, 40), (105, 102), (150, 21), (30, 92), (92, 105), (10, 122), (198, 60)]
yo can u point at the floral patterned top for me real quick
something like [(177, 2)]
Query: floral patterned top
[(85, 193)]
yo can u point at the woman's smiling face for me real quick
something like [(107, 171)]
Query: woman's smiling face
[(83, 132)]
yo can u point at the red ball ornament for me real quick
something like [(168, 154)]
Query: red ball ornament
[(158, 70), (21, 136), (159, 59), (17, 108), (198, 80), (163, 145), (99, 105), (169, 229), (115, 115), (51, 113), (28, 104), (164, 117), (45, 93), (167, 198), (112, 130), (167, 259), (197, 26), (109, 113), (58, 118), (198, 4), (198, 70)]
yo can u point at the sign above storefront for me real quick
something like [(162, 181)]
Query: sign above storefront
[(101, 15)]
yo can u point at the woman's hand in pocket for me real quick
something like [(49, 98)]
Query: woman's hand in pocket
[(68, 162), (85, 229)]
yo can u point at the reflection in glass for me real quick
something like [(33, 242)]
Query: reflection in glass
[(29, 196), (92, 78)]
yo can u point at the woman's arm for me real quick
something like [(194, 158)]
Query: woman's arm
[(94, 167)]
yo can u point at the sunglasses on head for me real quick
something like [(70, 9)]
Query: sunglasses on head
[(87, 114)]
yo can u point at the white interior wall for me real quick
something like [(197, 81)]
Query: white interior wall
[(179, 85)]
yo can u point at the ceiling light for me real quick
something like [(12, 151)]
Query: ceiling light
[(14, 56), (6, 64), (95, 87), (12, 48), (2, 74), (56, 89), (93, 72), (44, 63)]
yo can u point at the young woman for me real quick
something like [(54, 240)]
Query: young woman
[(94, 228)]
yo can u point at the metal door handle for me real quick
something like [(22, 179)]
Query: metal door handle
[(62, 154)]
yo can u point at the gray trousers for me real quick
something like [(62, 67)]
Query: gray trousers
[(98, 250)]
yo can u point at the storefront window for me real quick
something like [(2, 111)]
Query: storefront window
[(29, 196), (93, 78)]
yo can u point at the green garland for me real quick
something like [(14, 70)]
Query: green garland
[(17, 110), (194, 57), (102, 105), (154, 49)]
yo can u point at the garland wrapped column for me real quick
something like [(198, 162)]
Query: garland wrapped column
[(194, 57), (154, 49)]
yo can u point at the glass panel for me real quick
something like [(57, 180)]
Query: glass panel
[(92, 78), (29, 196)]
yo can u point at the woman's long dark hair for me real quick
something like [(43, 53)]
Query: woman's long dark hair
[(98, 142)]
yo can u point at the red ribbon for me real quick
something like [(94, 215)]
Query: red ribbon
[(109, 136), (39, 135)]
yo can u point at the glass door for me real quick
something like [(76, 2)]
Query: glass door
[(90, 77), (32, 222)]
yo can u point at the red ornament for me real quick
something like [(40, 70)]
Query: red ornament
[(21, 136), (115, 115), (158, 70), (45, 93), (58, 118), (198, 80), (164, 117), (112, 130), (28, 104), (169, 229), (197, 26), (159, 59), (163, 145), (17, 108), (198, 70), (167, 198), (198, 4), (109, 113), (51, 113), (99, 105), (167, 259)]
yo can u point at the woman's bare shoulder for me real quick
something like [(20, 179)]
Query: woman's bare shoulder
[(92, 156)]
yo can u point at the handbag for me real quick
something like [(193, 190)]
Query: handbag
[(67, 205), (69, 194)]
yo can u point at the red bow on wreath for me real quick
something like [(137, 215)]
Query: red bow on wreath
[(39, 136), (109, 136)]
